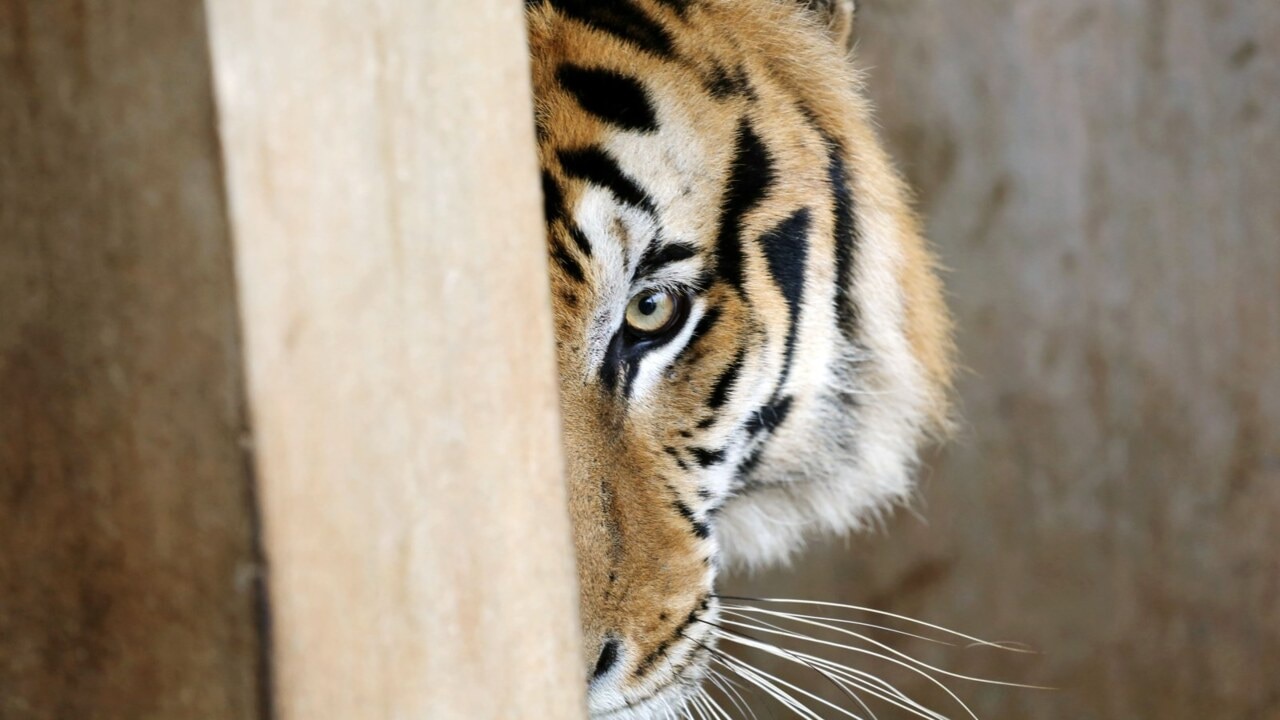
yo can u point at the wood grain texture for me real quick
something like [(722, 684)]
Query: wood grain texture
[(400, 357), (127, 571), (1101, 178)]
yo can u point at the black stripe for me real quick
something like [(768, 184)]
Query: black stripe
[(750, 176), (552, 198), (749, 465), (680, 7), (554, 209), (612, 365), (768, 418), (720, 393), (705, 457), (702, 283), (566, 261), (676, 455), (723, 83), (705, 323), (846, 237), (621, 19), (647, 663), (594, 165), (658, 256), (579, 238), (611, 96), (699, 528), (786, 247)]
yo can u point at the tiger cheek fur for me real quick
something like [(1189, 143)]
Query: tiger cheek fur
[(716, 155)]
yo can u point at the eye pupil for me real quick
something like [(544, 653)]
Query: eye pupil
[(648, 305)]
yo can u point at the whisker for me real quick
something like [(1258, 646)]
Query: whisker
[(975, 642), (717, 655), (711, 702), (912, 668), (699, 700), (1006, 645), (843, 621), (746, 672), (722, 633), (723, 684), (802, 691), (845, 690), (714, 711), (875, 686), (881, 689), (880, 645), (695, 701), (693, 706)]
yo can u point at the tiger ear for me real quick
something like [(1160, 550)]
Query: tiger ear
[(837, 16)]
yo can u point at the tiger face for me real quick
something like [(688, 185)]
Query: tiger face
[(752, 343)]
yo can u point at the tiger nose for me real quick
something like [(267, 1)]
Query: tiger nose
[(609, 653)]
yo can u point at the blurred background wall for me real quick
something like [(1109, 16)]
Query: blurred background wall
[(1102, 178)]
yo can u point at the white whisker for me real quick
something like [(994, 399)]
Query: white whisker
[(751, 675), (842, 621), (872, 641), (729, 687), (695, 702), (872, 685), (710, 709), (806, 693), (975, 642), (711, 701), (751, 642), (730, 693)]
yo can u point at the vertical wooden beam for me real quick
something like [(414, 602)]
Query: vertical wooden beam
[(127, 570), (400, 357)]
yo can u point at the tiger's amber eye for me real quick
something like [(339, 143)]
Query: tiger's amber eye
[(651, 313)]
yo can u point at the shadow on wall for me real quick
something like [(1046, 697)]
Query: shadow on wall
[(1100, 178)]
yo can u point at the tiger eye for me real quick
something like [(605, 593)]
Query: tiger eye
[(651, 313)]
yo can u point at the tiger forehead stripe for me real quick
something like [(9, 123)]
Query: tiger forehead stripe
[(750, 177), (597, 167), (658, 256), (616, 98), (786, 248), (621, 19)]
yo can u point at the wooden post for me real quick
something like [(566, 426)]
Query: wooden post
[(264, 258)]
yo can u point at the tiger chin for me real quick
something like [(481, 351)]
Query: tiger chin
[(751, 336)]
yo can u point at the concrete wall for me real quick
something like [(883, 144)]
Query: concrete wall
[(1102, 178)]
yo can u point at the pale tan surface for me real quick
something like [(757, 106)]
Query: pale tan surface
[(126, 567), (1104, 181), (390, 247)]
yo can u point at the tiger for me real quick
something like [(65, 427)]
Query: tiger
[(752, 339)]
